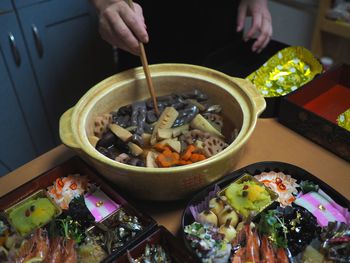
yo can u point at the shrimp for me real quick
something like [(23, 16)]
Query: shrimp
[(239, 256), (282, 256), (239, 239), (266, 250), (62, 250), (252, 246), (70, 253), (56, 254), (36, 247)]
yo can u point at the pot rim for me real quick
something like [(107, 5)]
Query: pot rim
[(88, 101)]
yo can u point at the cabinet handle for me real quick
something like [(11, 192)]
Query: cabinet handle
[(37, 40), (14, 49)]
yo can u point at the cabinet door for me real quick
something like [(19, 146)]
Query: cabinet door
[(5, 6), (22, 3), (61, 37), (16, 144), (24, 83)]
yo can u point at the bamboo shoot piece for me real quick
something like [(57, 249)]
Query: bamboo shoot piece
[(173, 144), (165, 120), (151, 159), (135, 149), (120, 132), (201, 123)]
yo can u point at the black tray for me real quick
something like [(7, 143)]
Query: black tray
[(162, 236), (76, 165), (317, 125), (254, 169)]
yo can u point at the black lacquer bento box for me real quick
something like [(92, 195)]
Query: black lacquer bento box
[(70, 213), (313, 110), (161, 238), (308, 221)]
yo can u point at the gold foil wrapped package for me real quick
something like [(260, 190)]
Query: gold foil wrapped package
[(285, 72), (343, 120)]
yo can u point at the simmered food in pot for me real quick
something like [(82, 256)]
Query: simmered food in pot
[(188, 130)]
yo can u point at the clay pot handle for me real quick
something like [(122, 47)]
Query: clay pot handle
[(258, 99), (66, 133)]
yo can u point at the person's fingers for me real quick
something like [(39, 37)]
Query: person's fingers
[(127, 40), (266, 41), (241, 16), (133, 18), (108, 35), (139, 13), (106, 32), (264, 44), (264, 35), (255, 27)]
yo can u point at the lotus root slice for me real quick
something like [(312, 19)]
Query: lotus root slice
[(213, 145), (101, 123)]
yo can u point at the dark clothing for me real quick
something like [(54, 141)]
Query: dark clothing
[(185, 31)]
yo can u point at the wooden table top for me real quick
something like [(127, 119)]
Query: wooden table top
[(270, 141)]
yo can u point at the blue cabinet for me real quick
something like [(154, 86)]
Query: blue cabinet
[(16, 144), (60, 36), (5, 6), (60, 39), (24, 82), (22, 3), (51, 54)]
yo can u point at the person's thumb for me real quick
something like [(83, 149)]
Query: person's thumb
[(242, 14)]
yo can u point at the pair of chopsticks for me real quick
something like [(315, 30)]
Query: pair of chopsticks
[(146, 69)]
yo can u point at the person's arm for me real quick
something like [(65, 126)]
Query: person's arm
[(261, 23), (120, 25)]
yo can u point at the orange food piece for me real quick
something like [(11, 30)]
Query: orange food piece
[(167, 158), (59, 182), (187, 154), (73, 186), (292, 199), (161, 147), (183, 162), (282, 187), (266, 181), (196, 157)]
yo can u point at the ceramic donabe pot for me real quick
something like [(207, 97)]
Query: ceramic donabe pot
[(241, 106)]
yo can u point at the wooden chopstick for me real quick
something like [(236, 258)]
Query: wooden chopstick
[(146, 69)]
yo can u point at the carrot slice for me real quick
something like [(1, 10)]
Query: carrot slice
[(187, 154), (167, 158), (183, 162), (159, 147), (196, 157)]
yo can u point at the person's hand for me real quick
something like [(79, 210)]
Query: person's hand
[(121, 25), (261, 23)]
